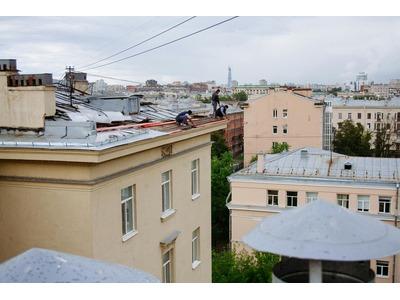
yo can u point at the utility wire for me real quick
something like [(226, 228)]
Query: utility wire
[(140, 43), (114, 78), (162, 45)]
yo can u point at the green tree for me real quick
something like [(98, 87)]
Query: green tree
[(352, 140), (280, 147), (219, 146), (229, 266), (221, 168), (240, 96), (383, 140)]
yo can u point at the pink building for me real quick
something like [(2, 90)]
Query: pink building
[(278, 182)]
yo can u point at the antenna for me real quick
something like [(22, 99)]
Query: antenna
[(70, 82)]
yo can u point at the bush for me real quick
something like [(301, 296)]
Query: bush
[(243, 267)]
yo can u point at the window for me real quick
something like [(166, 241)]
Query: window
[(284, 113), (349, 116), (384, 205), (382, 268), (311, 196), (340, 116), (167, 266), (128, 212), (359, 116), (196, 248), (369, 116), (343, 200), (275, 113), (284, 129), (339, 125), (369, 125), (166, 190), (272, 197), (363, 203), (291, 198), (274, 129), (195, 179)]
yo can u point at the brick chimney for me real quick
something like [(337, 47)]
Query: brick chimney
[(260, 163)]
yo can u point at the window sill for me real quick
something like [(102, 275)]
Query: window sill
[(195, 264), (196, 196), (381, 276), (167, 214), (129, 235)]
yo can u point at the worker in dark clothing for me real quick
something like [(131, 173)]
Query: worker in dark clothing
[(184, 118), (221, 111), (215, 101)]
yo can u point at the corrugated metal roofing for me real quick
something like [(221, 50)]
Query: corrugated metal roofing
[(340, 102), (313, 162)]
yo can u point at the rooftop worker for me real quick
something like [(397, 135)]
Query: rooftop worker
[(221, 111), (184, 118), (215, 101)]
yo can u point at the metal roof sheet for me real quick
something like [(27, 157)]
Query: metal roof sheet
[(44, 266), (324, 231)]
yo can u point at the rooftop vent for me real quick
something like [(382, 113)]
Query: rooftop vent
[(347, 165), (303, 153)]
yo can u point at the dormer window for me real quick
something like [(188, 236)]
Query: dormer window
[(347, 166)]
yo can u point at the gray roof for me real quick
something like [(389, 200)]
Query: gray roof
[(324, 231), (342, 103), (44, 266), (315, 163)]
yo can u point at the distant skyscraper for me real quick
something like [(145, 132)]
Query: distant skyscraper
[(229, 77), (262, 82)]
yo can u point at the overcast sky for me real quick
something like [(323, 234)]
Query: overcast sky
[(278, 49)]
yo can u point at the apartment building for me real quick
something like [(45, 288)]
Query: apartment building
[(136, 194), (251, 89), (279, 182), (372, 114), (234, 132), (290, 116)]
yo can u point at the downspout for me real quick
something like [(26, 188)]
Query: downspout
[(230, 218), (396, 213)]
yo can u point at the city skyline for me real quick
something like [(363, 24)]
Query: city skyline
[(325, 50)]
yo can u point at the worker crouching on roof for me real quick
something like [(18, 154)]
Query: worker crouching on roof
[(221, 111), (184, 118)]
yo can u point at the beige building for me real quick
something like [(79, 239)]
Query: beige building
[(278, 182), (372, 114), (282, 116), (125, 194)]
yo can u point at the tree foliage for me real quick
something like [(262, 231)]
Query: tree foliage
[(219, 146), (221, 168), (229, 266), (280, 147), (240, 96), (352, 139), (383, 140)]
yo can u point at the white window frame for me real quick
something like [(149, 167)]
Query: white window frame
[(166, 204), (272, 198), (348, 116), (196, 248), (195, 178), (291, 199), (285, 113), (343, 200), (167, 266), (386, 201), (275, 113), (363, 203), (311, 196), (274, 129), (340, 116), (380, 266), (128, 231)]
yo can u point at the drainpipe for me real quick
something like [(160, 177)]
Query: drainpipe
[(396, 213), (230, 220)]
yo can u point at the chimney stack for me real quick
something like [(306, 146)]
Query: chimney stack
[(260, 163)]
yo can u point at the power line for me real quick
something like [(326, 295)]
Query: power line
[(140, 43), (162, 45), (113, 78)]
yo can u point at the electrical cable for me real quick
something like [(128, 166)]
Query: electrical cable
[(163, 45), (140, 43)]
